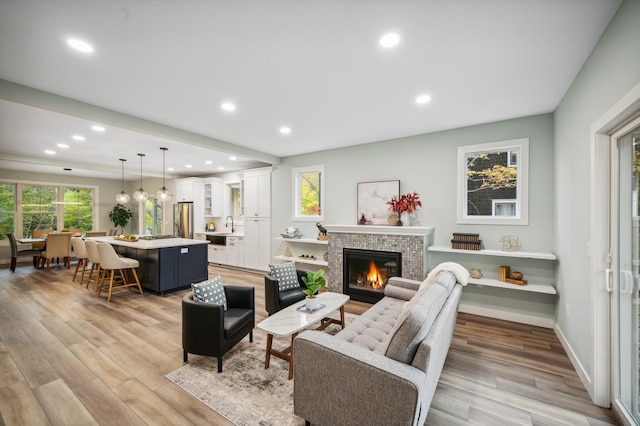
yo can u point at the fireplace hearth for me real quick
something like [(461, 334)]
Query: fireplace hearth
[(366, 272)]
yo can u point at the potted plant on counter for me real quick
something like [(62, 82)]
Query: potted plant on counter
[(120, 216), (314, 282)]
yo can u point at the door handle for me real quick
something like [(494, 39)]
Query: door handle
[(608, 275), (626, 283)]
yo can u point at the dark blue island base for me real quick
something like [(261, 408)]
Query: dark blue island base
[(168, 269)]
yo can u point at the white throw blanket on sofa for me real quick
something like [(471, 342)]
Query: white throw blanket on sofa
[(461, 273)]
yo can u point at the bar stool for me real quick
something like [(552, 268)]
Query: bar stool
[(81, 255), (110, 261), (94, 258)]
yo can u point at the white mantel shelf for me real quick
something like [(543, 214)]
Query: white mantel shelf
[(380, 229)]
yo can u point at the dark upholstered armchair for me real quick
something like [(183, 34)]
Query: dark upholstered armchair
[(209, 330), (276, 299)]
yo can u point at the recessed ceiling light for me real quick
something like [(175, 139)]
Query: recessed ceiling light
[(98, 128), (220, 168), (49, 151), (389, 40), (80, 45), (78, 138), (63, 145), (209, 162), (188, 166), (233, 158), (285, 130), (423, 99), (228, 106), (170, 169)]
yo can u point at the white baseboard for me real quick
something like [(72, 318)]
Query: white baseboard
[(507, 316), (577, 365)]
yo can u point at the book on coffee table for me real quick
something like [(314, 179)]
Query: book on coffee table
[(303, 308)]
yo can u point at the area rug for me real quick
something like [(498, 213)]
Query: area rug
[(245, 392)]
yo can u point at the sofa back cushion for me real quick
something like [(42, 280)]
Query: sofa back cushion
[(417, 316)]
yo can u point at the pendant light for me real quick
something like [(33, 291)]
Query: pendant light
[(163, 193), (141, 194), (122, 197)]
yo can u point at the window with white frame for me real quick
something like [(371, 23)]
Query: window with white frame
[(308, 193), (29, 206)]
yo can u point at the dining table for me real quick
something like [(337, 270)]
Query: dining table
[(30, 240)]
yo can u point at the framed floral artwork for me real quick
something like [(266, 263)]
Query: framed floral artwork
[(372, 201)]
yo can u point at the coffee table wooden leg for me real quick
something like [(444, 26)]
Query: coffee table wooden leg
[(267, 358), (293, 336), (342, 316)]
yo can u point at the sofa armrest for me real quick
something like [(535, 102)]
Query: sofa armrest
[(401, 288), (240, 297), (356, 383)]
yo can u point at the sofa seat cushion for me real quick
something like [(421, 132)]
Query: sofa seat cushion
[(417, 316), (235, 319), (372, 329)]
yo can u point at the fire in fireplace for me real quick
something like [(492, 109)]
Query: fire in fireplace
[(366, 272)]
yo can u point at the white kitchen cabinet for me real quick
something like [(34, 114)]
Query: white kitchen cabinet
[(257, 243), (257, 193), (213, 197), (235, 255), (217, 254), (189, 189)]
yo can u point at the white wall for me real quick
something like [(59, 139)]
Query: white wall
[(610, 72)]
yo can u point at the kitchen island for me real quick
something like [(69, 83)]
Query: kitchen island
[(166, 264)]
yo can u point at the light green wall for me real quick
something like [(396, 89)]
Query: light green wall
[(427, 164), (610, 72)]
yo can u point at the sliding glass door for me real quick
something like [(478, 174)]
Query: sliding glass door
[(626, 273)]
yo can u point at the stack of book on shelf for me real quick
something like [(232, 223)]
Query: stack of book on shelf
[(466, 241)]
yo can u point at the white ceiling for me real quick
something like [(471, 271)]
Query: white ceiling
[(312, 65)]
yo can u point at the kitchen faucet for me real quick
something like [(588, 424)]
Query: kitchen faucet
[(226, 225)]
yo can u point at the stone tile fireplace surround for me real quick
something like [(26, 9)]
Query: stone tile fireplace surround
[(411, 241)]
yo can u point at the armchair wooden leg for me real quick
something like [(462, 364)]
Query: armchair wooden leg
[(251, 336), (220, 364), (185, 355)]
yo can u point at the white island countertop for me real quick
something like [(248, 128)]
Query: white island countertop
[(150, 244)]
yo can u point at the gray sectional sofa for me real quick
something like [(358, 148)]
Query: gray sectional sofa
[(384, 367)]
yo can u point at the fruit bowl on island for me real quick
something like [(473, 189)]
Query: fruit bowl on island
[(126, 237)]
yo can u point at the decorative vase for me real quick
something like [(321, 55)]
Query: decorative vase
[(404, 219), (312, 303)]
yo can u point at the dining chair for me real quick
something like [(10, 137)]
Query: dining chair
[(39, 233), (58, 245), (15, 253), (94, 258), (81, 255), (95, 234), (113, 231), (110, 262)]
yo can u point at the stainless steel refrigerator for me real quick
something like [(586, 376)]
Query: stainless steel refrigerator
[(183, 220)]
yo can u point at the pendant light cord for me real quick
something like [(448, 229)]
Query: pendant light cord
[(122, 160)]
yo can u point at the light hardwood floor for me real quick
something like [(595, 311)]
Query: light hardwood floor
[(68, 357)]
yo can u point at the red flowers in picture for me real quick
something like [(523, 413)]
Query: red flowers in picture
[(406, 203)]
